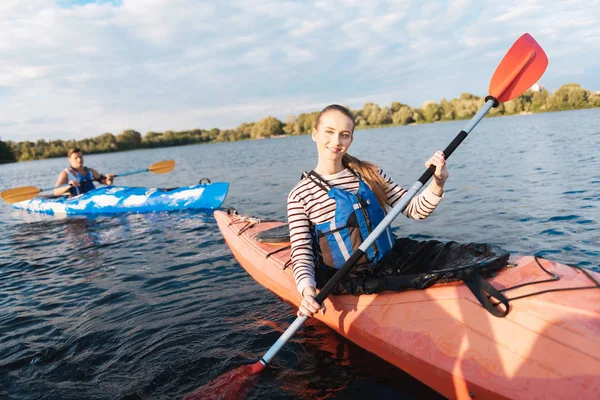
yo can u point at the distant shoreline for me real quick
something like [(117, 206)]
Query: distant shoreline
[(466, 119), (372, 116), (286, 135)]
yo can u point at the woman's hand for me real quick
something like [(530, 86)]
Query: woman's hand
[(309, 305), (441, 172)]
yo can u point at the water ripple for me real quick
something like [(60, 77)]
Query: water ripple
[(153, 305)]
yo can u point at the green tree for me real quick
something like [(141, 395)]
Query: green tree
[(510, 107), (305, 123), (152, 139), (396, 106), (569, 97), (383, 117), (465, 106), (290, 124), (6, 154), (129, 140), (594, 99), (242, 132), (403, 116), (539, 100), (360, 121), (107, 142), (448, 113), (372, 113), (227, 135), (432, 112), (267, 127), (418, 116)]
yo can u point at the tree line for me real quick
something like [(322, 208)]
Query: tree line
[(568, 97)]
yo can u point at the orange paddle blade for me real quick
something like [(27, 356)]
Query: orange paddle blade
[(20, 194), (232, 385), (520, 68), (162, 167)]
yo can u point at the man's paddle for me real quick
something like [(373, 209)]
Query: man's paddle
[(520, 68), (29, 192)]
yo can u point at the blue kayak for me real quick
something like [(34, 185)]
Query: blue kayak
[(121, 199)]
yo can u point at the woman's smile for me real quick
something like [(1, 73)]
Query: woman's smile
[(333, 137)]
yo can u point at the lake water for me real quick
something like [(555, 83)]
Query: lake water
[(154, 305)]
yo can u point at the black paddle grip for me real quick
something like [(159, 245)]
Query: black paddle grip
[(338, 276), (462, 135)]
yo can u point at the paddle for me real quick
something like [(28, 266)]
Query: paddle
[(521, 67), (29, 192)]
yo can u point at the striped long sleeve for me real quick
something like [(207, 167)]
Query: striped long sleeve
[(308, 205)]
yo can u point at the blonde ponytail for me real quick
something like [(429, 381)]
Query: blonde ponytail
[(370, 175)]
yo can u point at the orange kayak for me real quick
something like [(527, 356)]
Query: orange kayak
[(547, 347)]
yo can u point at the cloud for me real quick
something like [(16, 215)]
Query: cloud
[(45, 120), (306, 27), (512, 13), (81, 68)]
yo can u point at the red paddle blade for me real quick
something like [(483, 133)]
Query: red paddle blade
[(232, 385), (521, 67)]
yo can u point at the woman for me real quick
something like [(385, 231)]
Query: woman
[(340, 201)]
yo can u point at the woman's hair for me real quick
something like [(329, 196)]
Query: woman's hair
[(367, 170), (338, 108)]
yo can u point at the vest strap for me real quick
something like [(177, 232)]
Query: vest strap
[(318, 180), (321, 182), (86, 181)]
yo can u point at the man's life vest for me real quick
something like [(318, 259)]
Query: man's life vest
[(356, 215), (86, 182)]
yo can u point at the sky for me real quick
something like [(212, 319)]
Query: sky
[(77, 68)]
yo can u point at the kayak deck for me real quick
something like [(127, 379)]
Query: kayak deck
[(119, 199), (548, 346)]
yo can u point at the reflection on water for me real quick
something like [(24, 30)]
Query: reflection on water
[(154, 305)]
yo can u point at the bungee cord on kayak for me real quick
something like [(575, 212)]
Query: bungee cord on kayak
[(554, 278)]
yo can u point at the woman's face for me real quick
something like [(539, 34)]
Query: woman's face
[(333, 135)]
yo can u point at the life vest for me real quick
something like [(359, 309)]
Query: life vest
[(356, 215), (86, 182)]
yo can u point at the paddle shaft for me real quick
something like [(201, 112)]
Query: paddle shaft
[(139, 171), (394, 212)]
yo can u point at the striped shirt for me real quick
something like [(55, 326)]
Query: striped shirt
[(308, 205)]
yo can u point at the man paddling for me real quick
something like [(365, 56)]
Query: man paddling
[(81, 179)]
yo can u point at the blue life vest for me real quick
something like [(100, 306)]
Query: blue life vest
[(86, 183), (356, 215)]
